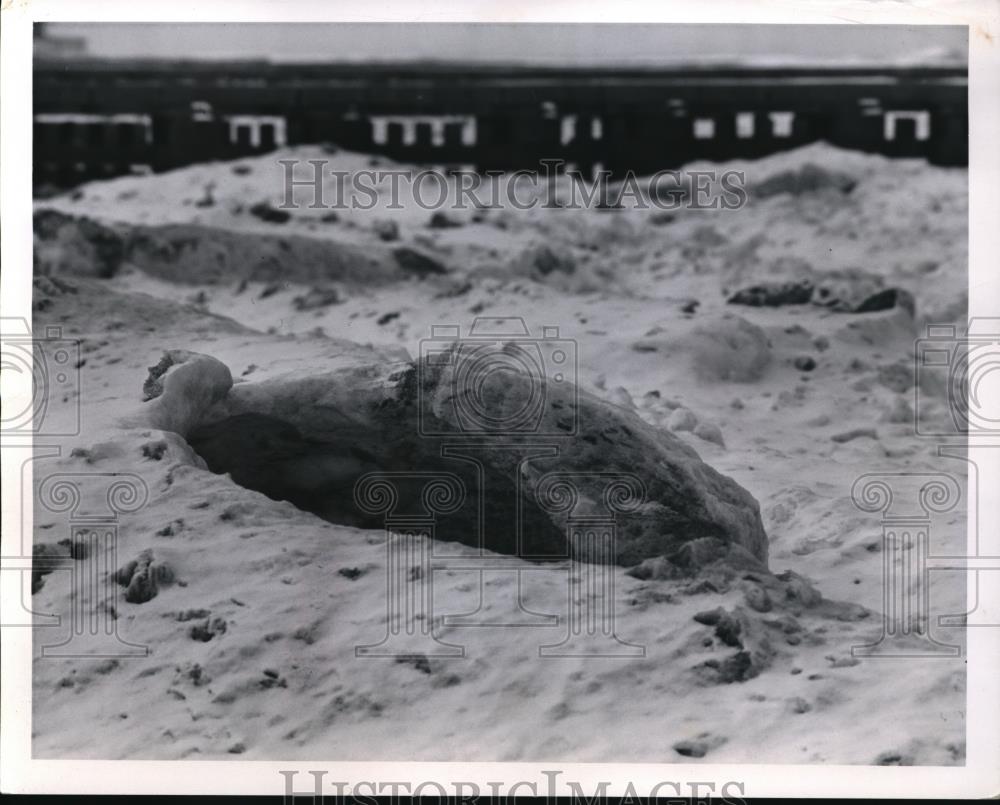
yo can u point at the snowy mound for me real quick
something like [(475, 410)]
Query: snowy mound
[(311, 434)]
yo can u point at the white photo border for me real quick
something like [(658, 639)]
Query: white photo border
[(979, 777)]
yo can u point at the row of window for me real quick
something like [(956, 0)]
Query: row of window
[(266, 132)]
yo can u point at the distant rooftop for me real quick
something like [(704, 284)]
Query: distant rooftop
[(543, 45), (50, 46)]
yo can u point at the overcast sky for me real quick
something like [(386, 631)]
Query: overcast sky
[(580, 43)]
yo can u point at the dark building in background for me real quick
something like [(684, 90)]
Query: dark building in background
[(97, 118)]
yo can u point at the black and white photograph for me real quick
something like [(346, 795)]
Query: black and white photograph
[(502, 392)]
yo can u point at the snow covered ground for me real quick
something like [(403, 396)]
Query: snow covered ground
[(252, 630)]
